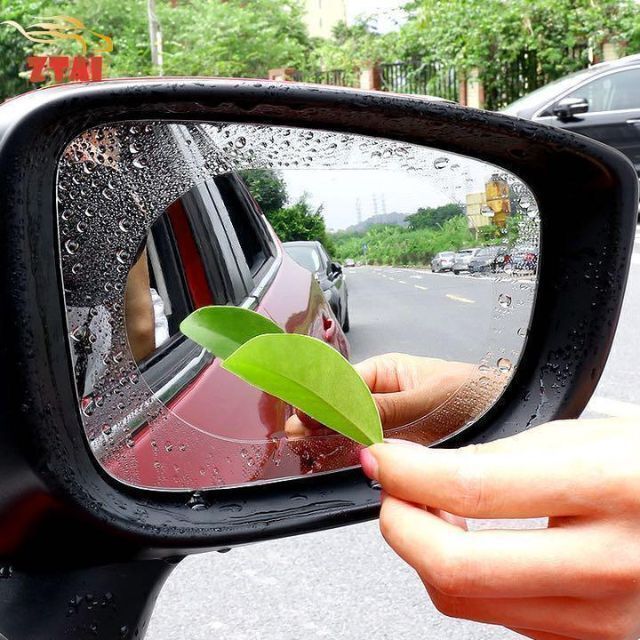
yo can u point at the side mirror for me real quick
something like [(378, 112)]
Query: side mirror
[(128, 204), (336, 269), (568, 108)]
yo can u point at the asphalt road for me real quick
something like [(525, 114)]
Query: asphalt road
[(465, 318), (346, 583)]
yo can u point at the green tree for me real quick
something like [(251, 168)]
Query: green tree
[(350, 47), (301, 222), (433, 217), (492, 34), (267, 187), (14, 47), (200, 37)]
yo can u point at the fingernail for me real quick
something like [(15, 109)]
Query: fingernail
[(369, 464)]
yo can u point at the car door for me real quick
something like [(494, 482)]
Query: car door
[(614, 111)]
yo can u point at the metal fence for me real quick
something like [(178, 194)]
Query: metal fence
[(424, 78), (335, 77), (505, 82)]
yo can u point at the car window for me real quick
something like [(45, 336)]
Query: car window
[(186, 270), (307, 257), (241, 210), (613, 92)]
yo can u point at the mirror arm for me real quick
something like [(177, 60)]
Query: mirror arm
[(112, 601)]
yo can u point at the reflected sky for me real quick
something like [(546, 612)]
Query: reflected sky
[(342, 192)]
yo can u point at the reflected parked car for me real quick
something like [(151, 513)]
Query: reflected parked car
[(523, 258), (349, 262), (462, 259), (443, 261), (314, 257), (488, 260)]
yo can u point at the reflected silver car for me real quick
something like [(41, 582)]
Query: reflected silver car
[(443, 261), (463, 258)]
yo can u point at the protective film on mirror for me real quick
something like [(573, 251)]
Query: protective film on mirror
[(419, 265)]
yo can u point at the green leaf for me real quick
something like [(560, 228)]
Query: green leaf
[(221, 330), (312, 376)]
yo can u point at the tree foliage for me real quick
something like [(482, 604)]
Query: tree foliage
[(267, 188), (200, 37), (301, 222), (395, 245), (433, 217), (490, 33)]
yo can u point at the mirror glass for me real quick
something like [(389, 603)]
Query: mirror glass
[(416, 264)]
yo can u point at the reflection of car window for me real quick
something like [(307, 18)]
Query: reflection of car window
[(612, 92), (306, 257), (182, 268), (238, 206)]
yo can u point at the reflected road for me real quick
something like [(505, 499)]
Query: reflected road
[(437, 315)]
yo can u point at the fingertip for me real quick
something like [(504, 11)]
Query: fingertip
[(369, 463)]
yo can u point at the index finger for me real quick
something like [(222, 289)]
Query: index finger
[(511, 478)]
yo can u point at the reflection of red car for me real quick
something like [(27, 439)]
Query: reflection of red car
[(214, 246)]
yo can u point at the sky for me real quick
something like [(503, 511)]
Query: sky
[(341, 191), (387, 12)]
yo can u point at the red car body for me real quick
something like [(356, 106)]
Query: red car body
[(218, 430)]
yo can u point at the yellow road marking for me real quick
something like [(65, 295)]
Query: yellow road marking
[(451, 296)]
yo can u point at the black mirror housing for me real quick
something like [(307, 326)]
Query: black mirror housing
[(568, 108), (587, 195)]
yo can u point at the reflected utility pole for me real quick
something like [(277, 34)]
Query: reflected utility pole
[(155, 37)]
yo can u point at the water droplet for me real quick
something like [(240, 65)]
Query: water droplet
[(106, 429), (504, 300), (523, 331), (6, 571), (139, 163), (134, 148), (240, 142), (122, 256), (124, 225), (504, 365), (71, 246), (441, 163)]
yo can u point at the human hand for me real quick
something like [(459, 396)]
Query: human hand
[(405, 388), (579, 578)]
